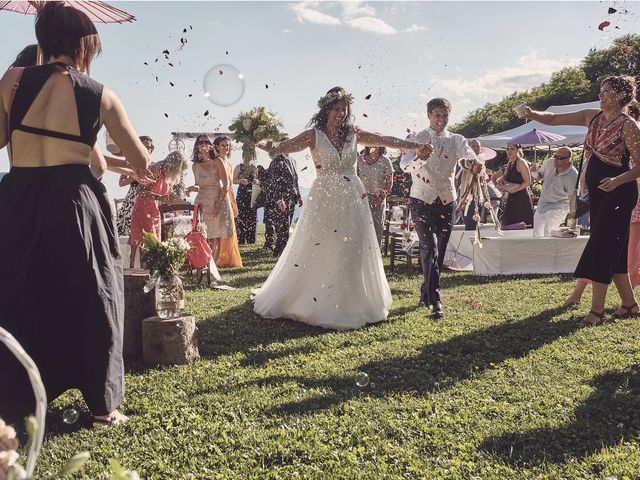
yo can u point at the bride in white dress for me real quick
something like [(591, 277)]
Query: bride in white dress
[(330, 274)]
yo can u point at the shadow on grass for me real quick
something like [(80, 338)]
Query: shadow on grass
[(437, 366), (239, 329), (608, 416)]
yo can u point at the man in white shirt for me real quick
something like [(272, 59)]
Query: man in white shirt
[(433, 196), (559, 178)]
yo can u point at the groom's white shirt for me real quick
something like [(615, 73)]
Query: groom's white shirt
[(435, 177)]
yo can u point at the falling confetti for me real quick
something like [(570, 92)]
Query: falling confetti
[(166, 115), (170, 64), (295, 264), (367, 97), (303, 169), (603, 25), (365, 115), (363, 195), (266, 86), (220, 72), (206, 113), (314, 299), (346, 178), (611, 10), (166, 52), (171, 83), (191, 94), (226, 52), (146, 63)]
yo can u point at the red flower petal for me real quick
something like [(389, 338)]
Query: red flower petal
[(603, 25)]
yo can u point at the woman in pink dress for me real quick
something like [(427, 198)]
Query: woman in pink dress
[(145, 216)]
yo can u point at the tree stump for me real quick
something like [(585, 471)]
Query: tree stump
[(169, 341), (137, 306)]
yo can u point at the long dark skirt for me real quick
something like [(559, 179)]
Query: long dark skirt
[(247, 216), (606, 250), (518, 207), (61, 293)]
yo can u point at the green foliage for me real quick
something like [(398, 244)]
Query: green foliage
[(567, 86), (505, 387), (166, 258)]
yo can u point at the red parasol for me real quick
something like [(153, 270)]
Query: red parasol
[(97, 11)]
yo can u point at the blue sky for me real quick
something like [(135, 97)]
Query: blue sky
[(402, 53)]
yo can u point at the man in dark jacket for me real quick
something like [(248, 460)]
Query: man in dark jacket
[(283, 194)]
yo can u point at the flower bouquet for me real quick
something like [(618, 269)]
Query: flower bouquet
[(164, 258), (251, 127)]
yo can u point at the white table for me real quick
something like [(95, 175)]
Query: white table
[(459, 254), (511, 255)]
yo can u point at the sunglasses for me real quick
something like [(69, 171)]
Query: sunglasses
[(561, 158)]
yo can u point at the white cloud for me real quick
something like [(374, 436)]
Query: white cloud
[(415, 28), (371, 24), (353, 9), (306, 14), (285, 30), (530, 70), (357, 15)]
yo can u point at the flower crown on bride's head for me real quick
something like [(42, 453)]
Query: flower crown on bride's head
[(336, 96)]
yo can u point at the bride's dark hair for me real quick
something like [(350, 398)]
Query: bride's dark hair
[(326, 104)]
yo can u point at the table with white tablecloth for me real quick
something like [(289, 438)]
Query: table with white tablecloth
[(459, 254), (509, 255)]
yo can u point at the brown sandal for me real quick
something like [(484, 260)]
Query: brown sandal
[(628, 312), (601, 318)]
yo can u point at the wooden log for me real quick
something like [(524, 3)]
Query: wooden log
[(169, 341), (137, 306)]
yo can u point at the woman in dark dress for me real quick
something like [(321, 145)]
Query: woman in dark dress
[(613, 138), (247, 215), (60, 271), (515, 179)]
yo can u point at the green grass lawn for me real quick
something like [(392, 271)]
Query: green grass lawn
[(504, 387)]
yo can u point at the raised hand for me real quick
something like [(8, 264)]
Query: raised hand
[(424, 151)]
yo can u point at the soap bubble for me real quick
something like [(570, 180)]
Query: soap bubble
[(362, 379), (223, 85), (70, 416)]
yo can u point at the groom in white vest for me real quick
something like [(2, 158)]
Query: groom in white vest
[(433, 195)]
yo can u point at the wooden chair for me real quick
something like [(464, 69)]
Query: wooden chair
[(400, 254), (167, 227), (392, 201)]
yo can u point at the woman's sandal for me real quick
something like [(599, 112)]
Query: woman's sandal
[(114, 418), (601, 318), (628, 312)]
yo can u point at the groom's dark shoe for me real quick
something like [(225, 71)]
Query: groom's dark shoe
[(437, 311)]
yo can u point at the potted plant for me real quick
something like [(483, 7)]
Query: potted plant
[(165, 261)]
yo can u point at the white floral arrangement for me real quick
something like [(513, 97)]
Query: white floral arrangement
[(251, 127)]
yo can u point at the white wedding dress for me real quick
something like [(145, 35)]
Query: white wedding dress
[(330, 273)]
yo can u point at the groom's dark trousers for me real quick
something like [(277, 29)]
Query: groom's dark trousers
[(433, 225)]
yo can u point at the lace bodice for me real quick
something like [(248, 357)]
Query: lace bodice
[(329, 161)]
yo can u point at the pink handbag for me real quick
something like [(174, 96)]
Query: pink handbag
[(199, 255)]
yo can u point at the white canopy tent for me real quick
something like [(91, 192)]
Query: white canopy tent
[(575, 135)]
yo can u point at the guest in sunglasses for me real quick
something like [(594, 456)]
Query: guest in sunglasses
[(559, 179)]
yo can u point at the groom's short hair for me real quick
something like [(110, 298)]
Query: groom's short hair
[(438, 103)]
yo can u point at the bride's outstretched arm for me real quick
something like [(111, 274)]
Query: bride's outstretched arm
[(296, 144), (374, 140)]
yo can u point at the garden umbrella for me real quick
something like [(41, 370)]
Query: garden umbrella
[(97, 11), (487, 153), (536, 137)]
